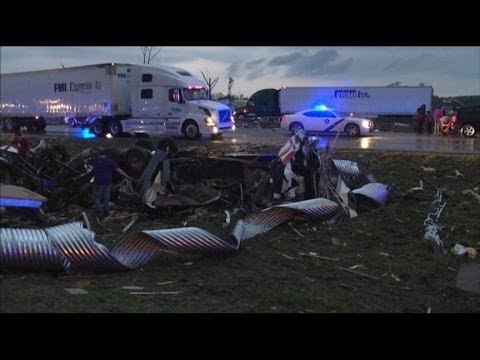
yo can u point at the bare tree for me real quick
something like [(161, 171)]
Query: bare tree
[(210, 83), (149, 53)]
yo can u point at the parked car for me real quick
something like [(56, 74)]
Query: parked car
[(325, 121), (467, 120)]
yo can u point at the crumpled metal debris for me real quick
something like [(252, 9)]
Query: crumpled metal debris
[(375, 191), (263, 221), (432, 228), (70, 247), (346, 167)]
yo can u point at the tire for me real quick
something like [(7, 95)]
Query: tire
[(468, 130), (72, 122), (168, 145), (352, 130), (136, 159), (296, 127), (98, 128), (190, 130), (115, 128)]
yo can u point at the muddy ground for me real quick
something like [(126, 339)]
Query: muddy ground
[(377, 262)]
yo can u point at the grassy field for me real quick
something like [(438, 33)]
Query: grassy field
[(377, 262)]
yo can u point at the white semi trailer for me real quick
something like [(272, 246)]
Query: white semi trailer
[(113, 98), (361, 101)]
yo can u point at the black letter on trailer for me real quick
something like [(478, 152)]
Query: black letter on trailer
[(61, 87)]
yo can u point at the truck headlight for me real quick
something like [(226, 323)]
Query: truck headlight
[(366, 124), (209, 121)]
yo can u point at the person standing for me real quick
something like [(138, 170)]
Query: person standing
[(103, 168), (430, 122), (437, 114), (421, 113)]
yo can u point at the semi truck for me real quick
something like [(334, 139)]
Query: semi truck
[(113, 98), (362, 101)]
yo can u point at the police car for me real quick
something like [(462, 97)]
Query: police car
[(322, 120)]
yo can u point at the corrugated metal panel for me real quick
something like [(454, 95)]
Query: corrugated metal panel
[(346, 167), (71, 246), (375, 191), (30, 250), (263, 221)]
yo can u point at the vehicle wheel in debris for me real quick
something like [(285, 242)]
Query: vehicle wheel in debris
[(115, 128), (190, 130), (352, 130), (136, 158), (168, 145), (146, 144)]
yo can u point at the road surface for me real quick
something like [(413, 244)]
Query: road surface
[(376, 141)]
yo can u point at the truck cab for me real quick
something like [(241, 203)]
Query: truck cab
[(171, 100)]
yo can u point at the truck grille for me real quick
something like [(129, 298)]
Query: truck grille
[(224, 116)]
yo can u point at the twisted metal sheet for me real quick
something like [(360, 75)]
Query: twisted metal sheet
[(263, 221), (346, 167), (375, 191), (29, 249), (72, 247)]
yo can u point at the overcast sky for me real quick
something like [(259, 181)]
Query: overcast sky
[(451, 70)]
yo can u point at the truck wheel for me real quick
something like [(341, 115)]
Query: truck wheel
[(115, 128), (98, 128), (352, 130), (468, 130), (190, 130), (296, 127), (72, 122), (137, 159)]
